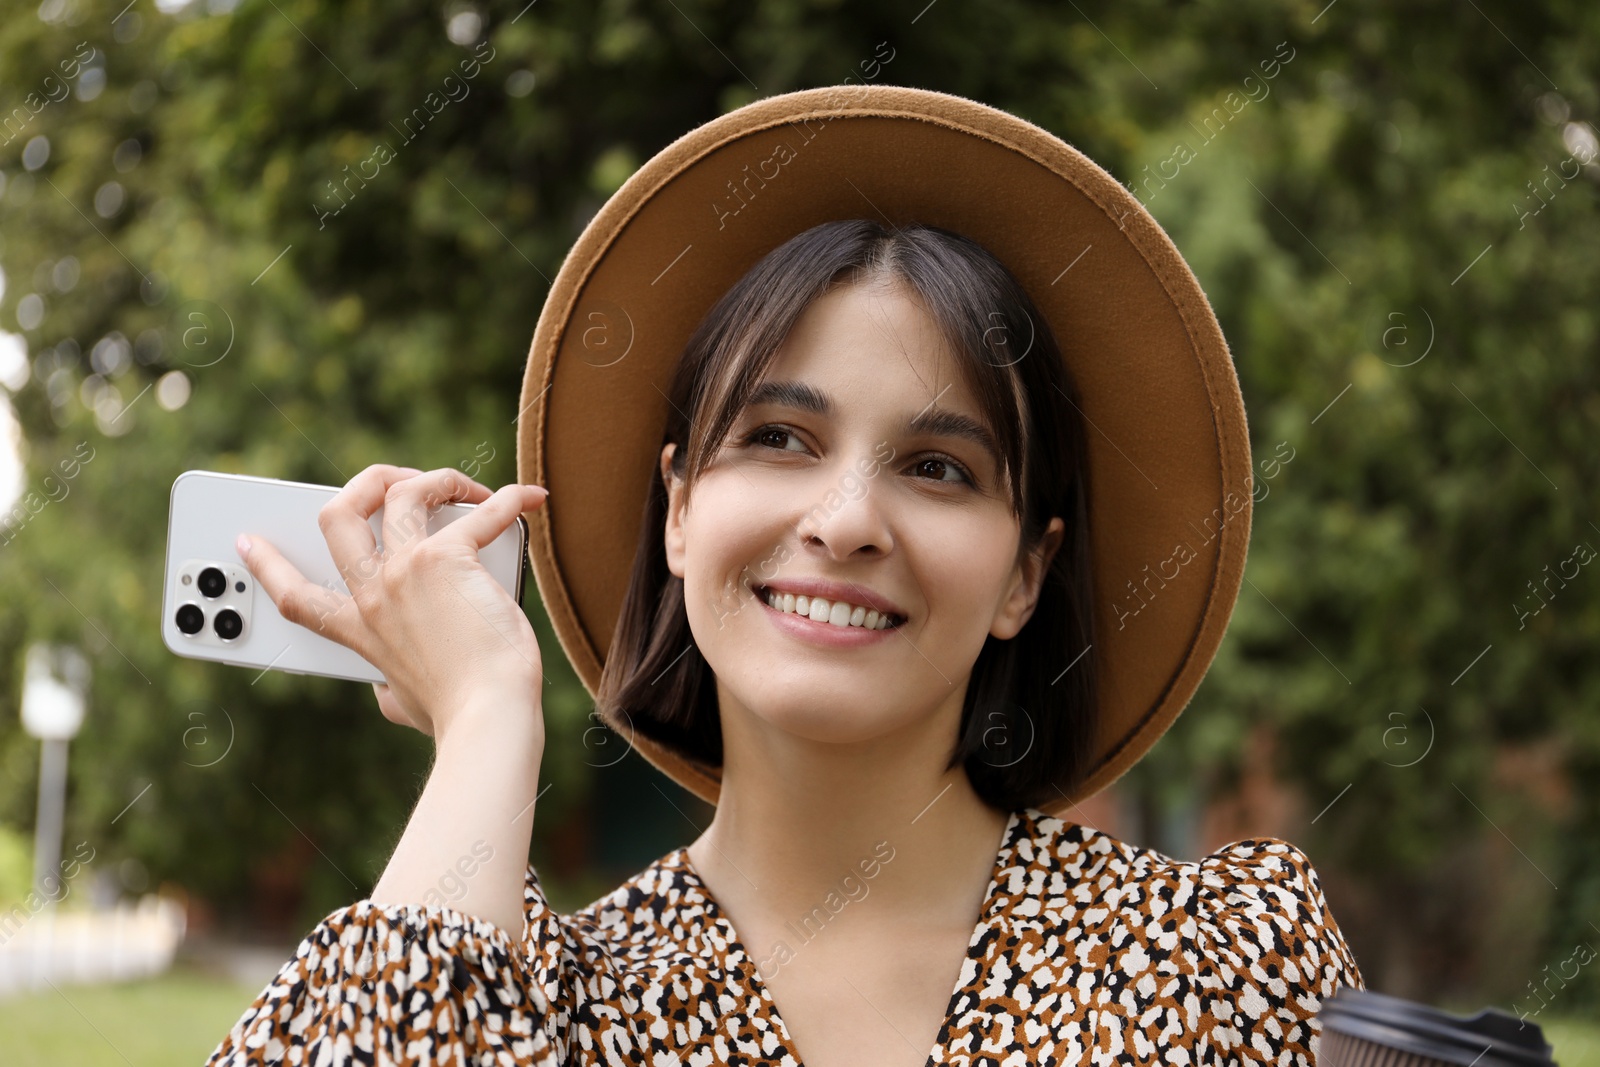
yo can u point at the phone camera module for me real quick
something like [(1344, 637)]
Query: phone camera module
[(191, 619), (212, 582), (228, 624)]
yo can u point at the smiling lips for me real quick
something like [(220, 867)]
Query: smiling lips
[(838, 613)]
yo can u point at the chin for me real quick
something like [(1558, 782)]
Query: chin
[(829, 721)]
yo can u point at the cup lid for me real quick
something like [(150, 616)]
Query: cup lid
[(1491, 1038)]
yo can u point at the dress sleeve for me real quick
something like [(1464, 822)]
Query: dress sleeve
[(1270, 952), (408, 984)]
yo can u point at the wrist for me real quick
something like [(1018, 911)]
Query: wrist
[(496, 721)]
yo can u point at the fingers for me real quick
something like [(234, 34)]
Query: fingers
[(324, 611), (411, 502), (345, 519), (489, 520)]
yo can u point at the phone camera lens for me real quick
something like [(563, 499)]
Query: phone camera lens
[(212, 582), (228, 624), (190, 619)]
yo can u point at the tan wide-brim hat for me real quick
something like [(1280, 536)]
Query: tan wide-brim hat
[(1168, 448)]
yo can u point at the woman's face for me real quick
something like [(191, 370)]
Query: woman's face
[(853, 470)]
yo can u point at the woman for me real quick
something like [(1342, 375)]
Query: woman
[(870, 613)]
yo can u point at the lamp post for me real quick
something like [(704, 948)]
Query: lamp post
[(53, 687)]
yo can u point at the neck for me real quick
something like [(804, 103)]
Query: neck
[(797, 820)]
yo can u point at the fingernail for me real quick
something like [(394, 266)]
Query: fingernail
[(243, 545)]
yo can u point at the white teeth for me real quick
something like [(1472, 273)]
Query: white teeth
[(834, 613)]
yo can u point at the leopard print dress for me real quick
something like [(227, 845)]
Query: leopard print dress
[(1087, 950)]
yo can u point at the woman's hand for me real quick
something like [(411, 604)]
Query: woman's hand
[(448, 638)]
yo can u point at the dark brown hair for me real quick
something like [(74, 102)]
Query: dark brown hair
[(1027, 721)]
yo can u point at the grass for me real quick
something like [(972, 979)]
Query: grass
[(180, 1017)]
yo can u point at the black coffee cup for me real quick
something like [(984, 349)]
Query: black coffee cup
[(1363, 1029)]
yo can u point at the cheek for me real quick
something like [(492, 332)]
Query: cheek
[(726, 545), (963, 566)]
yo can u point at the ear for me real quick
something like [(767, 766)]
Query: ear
[(673, 533), (1026, 579)]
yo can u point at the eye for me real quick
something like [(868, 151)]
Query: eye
[(764, 435), (947, 464)]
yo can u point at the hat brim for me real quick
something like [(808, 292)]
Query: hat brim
[(1168, 447)]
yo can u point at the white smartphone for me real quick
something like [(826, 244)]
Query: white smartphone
[(212, 608)]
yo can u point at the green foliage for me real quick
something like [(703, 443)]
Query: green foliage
[(1367, 207)]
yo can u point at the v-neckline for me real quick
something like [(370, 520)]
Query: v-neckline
[(752, 976)]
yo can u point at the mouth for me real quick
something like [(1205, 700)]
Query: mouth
[(838, 614)]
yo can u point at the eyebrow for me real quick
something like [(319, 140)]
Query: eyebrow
[(936, 422)]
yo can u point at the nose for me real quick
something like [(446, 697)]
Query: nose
[(848, 519)]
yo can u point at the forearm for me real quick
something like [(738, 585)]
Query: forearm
[(466, 844)]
